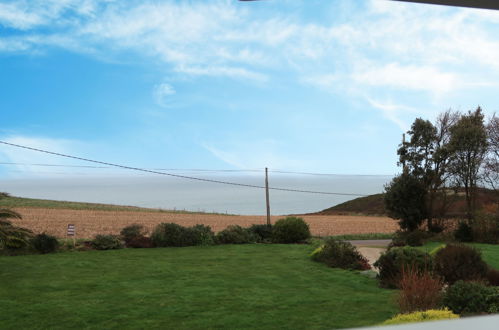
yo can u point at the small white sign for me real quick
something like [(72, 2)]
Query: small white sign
[(71, 230)]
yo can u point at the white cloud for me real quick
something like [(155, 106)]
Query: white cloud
[(412, 77), (162, 92), (396, 48)]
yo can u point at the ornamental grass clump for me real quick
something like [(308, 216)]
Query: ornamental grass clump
[(340, 254), (420, 290)]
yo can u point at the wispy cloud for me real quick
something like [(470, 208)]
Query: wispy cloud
[(162, 92), (23, 156)]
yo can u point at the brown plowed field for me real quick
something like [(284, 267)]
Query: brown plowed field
[(90, 223)]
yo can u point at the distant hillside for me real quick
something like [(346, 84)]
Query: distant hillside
[(487, 201), (7, 201), (369, 205)]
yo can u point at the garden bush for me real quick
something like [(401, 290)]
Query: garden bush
[(172, 234), (340, 254), (493, 276), (471, 298), (140, 242), (391, 263), (262, 231), (290, 230), (429, 315), (412, 238), (236, 235), (420, 290), (486, 229), (199, 235), (44, 243), (459, 262), (133, 233), (107, 242), (463, 233)]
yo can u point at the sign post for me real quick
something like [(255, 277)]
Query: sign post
[(71, 232)]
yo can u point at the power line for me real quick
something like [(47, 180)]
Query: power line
[(203, 170), (176, 175)]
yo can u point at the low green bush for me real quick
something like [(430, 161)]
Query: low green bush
[(391, 263), (429, 315), (236, 235), (459, 262), (468, 298), (140, 242), (290, 230), (44, 243), (133, 233), (262, 231), (340, 254), (463, 233), (107, 242), (172, 234)]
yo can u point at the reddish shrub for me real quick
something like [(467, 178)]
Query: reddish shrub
[(460, 262), (140, 242), (493, 276), (419, 290)]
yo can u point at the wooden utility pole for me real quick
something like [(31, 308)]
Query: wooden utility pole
[(267, 195)]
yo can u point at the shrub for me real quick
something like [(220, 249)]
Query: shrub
[(493, 276), (412, 238), (236, 235), (140, 242), (459, 262), (44, 243), (420, 290), (486, 229), (290, 230), (429, 315), (471, 298), (172, 234), (107, 242), (391, 263), (463, 233), (263, 232), (340, 254), (132, 232), (199, 235)]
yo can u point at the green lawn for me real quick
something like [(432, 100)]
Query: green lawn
[(490, 253), (222, 287)]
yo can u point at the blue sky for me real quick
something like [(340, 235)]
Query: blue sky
[(324, 86)]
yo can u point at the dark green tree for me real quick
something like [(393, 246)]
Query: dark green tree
[(405, 200), (426, 156), (468, 148)]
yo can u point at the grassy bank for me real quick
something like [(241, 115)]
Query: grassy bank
[(21, 202), (246, 286)]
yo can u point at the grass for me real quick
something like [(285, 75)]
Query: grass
[(216, 287), (15, 202)]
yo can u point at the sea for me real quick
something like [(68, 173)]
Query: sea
[(191, 195)]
